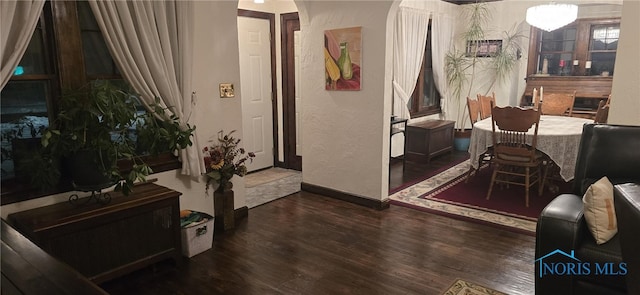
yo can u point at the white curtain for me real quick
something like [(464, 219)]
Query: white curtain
[(442, 26), (18, 20), (408, 50), (151, 42)]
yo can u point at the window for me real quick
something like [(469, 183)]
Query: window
[(602, 48), (27, 97), (47, 67), (585, 48), (425, 99)]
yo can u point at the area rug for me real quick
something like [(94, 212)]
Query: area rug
[(461, 287), (277, 187), (447, 193), (265, 176)]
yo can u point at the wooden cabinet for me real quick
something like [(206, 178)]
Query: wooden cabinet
[(106, 241), (578, 57), (27, 269), (589, 91), (428, 139), (586, 47)]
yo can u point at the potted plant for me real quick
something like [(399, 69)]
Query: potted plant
[(97, 127), (463, 67), (223, 160)]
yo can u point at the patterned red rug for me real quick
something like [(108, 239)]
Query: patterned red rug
[(447, 193)]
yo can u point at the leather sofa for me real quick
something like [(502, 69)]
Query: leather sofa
[(605, 150)]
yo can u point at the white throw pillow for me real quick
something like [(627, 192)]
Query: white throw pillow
[(599, 210)]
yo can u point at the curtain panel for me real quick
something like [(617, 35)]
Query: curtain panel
[(18, 20), (441, 39), (151, 42), (409, 42)]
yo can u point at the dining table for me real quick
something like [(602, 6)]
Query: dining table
[(558, 137)]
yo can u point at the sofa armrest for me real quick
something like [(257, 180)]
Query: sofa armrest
[(627, 202), (561, 226)]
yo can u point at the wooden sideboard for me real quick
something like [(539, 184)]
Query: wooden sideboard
[(27, 269), (105, 241), (590, 90), (428, 139)]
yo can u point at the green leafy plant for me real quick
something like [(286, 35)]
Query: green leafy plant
[(224, 160), (462, 67), (103, 121)]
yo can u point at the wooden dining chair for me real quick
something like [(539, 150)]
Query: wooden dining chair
[(515, 158), (558, 104), (602, 115), (485, 104), (473, 106)]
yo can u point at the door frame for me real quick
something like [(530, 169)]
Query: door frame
[(291, 160), (274, 101)]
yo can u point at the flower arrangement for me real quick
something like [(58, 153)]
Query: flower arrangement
[(224, 160)]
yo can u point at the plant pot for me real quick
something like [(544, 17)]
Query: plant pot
[(461, 140), (87, 173), (223, 207)]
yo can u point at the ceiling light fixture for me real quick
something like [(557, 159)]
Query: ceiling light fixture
[(551, 16), (258, 1)]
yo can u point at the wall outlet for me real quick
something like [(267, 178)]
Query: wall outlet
[(226, 90)]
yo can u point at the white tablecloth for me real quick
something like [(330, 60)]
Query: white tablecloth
[(558, 137)]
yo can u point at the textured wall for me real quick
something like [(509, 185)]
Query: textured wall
[(346, 132), (625, 101)]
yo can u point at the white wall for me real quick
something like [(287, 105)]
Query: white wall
[(625, 98), (346, 132), (216, 61)]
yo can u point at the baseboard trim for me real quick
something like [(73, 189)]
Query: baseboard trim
[(241, 213), (351, 198)]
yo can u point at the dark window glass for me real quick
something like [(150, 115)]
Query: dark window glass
[(602, 49), (24, 107), (97, 59), (33, 60), (556, 51)]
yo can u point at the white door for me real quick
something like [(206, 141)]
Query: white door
[(255, 81)]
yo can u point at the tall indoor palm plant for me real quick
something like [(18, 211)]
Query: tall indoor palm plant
[(463, 66)]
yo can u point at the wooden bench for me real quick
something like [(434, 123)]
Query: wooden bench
[(428, 139), (105, 241), (27, 269)]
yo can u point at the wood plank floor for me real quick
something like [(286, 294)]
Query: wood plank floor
[(311, 244)]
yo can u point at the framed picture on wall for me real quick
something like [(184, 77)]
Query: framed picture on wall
[(483, 48), (342, 58)]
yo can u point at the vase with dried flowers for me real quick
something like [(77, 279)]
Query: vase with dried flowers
[(224, 160)]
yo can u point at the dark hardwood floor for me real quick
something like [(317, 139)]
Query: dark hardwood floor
[(415, 170), (311, 244)]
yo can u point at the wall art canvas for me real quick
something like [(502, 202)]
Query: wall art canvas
[(483, 48), (342, 58)]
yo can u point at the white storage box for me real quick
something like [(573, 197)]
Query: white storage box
[(197, 237)]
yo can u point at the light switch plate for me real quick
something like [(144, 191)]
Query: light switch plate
[(226, 90)]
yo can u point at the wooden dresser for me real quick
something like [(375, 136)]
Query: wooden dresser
[(428, 139), (590, 90), (106, 241)]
